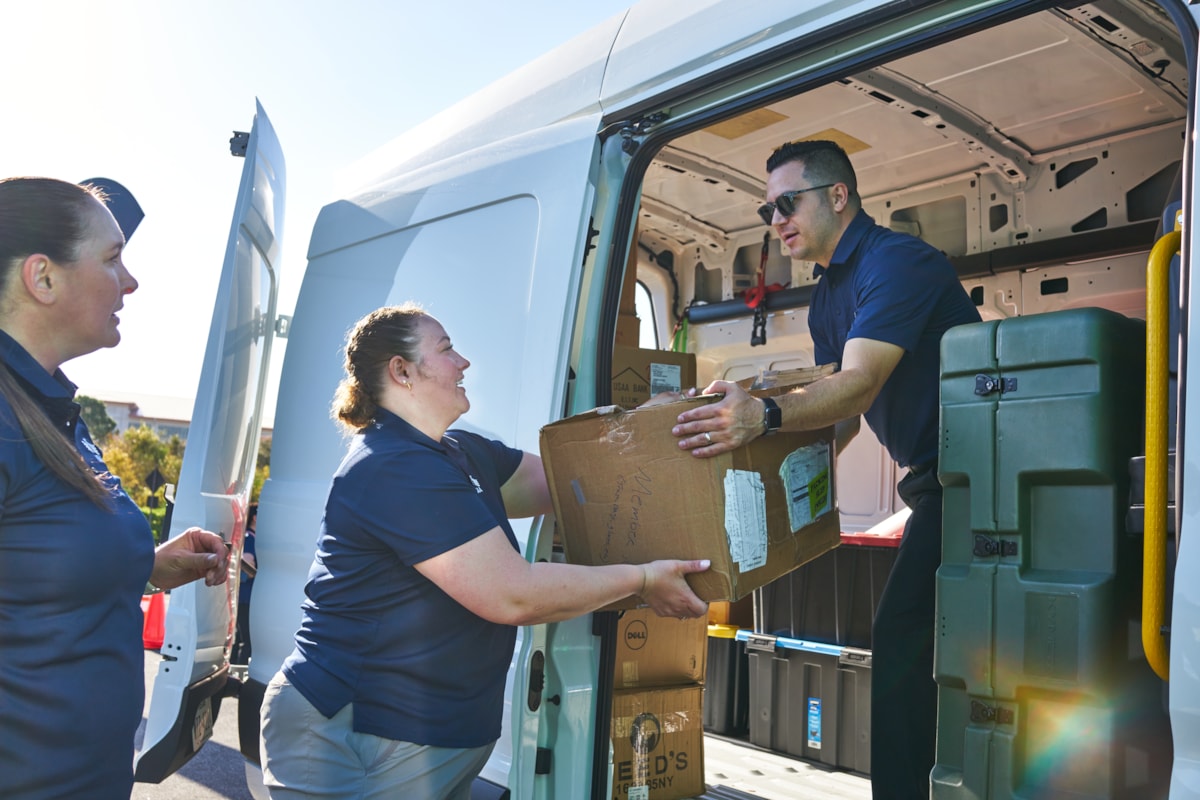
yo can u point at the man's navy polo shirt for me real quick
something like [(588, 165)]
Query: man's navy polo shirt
[(895, 288), (417, 665), (71, 581)]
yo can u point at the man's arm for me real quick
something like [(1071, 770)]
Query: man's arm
[(737, 419)]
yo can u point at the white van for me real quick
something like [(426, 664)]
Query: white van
[(1045, 148)]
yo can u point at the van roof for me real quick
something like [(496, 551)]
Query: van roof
[(653, 46)]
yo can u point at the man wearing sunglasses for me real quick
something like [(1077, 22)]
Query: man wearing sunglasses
[(880, 307)]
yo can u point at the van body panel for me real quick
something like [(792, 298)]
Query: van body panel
[(1184, 609), (217, 474)]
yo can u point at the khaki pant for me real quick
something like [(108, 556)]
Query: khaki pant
[(307, 755)]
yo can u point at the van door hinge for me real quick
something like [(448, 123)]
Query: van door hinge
[(987, 546), (239, 143), (283, 325), (986, 384), (635, 130), (541, 762), (982, 712)]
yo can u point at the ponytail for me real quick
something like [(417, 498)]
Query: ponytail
[(49, 445)]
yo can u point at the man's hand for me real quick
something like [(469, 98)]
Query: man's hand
[(716, 428)]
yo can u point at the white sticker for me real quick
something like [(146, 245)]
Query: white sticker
[(665, 378), (806, 479), (639, 793), (746, 518)]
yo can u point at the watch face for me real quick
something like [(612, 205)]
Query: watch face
[(772, 415)]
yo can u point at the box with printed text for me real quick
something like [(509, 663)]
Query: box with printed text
[(659, 651), (625, 493), (658, 743), (638, 374)]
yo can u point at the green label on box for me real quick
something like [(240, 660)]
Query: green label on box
[(806, 474)]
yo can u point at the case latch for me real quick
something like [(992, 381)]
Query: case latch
[(986, 384)]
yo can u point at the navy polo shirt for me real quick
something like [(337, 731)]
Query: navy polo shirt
[(895, 288), (71, 582), (417, 666)]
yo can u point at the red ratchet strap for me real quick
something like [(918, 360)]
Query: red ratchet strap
[(756, 296)]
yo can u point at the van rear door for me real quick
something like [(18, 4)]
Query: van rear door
[(218, 464)]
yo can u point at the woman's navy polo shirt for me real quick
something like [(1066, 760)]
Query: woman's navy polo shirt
[(417, 666), (895, 288), (71, 582)]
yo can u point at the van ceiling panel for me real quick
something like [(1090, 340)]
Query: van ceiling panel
[(1006, 75), (988, 117)]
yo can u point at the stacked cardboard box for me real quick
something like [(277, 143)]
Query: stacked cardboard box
[(638, 374), (657, 717)]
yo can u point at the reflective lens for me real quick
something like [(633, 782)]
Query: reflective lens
[(786, 203)]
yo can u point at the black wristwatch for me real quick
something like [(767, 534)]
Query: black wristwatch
[(772, 416)]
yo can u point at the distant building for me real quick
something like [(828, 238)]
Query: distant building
[(166, 416)]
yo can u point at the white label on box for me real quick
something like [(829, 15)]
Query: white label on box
[(746, 518), (806, 478), (665, 378), (639, 793)]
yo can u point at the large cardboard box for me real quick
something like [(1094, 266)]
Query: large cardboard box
[(658, 743), (659, 651), (625, 493), (638, 375)]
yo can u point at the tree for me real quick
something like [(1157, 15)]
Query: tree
[(136, 453), (96, 417)]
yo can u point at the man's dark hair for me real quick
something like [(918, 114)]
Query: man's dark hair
[(824, 162)]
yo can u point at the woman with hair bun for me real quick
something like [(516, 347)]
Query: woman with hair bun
[(396, 685), (76, 554)]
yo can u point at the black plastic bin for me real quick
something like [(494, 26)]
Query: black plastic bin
[(727, 683), (832, 599), (810, 700)]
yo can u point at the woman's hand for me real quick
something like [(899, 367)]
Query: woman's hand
[(667, 592), (192, 555)]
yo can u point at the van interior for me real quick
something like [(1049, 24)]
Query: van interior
[(1041, 151), (1038, 154)]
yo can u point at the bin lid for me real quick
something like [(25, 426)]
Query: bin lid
[(872, 538), (764, 640), (884, 534), (723, 631)]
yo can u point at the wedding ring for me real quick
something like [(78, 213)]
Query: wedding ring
[(708, 437)]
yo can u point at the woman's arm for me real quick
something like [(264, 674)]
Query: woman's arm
[(491, 579), (526, 493), (191, 555)]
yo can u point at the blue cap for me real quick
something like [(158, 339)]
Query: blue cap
[(121, 203)]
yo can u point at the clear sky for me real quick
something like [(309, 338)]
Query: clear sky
[(148, 92)]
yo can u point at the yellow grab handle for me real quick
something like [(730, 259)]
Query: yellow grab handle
[(1154, 543)]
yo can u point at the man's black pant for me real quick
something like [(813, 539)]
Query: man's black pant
[(903, 692)]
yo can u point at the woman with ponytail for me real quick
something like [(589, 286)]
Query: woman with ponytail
[(75, 552), (396, 685)]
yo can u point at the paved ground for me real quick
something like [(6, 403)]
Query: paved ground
[(735, 770)]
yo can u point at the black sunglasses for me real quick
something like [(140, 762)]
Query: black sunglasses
[(786, 203)]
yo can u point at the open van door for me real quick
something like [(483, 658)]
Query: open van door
[(218, 464)]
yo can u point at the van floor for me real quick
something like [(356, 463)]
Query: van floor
[(737, 770)]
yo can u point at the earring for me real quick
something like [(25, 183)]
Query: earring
[(407, 385)]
